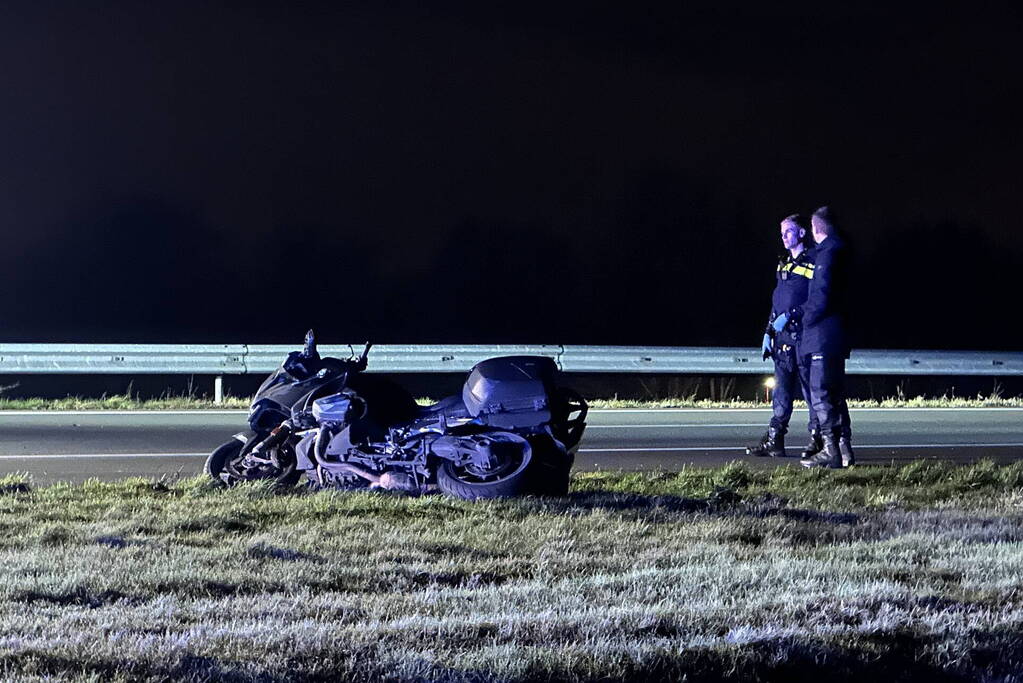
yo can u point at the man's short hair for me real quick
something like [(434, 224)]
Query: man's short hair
[(826, 219), (797, 220)]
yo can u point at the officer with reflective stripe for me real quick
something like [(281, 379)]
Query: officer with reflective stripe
[(823, 319), (792, 284)]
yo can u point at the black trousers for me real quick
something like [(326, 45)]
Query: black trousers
[(827, 393), (791, 375)]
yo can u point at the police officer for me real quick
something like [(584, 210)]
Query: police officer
[(792, 282), (823, 320)]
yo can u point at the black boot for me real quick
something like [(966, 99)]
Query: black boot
[(771, 444), (830, 457), (845, 448), (815, 446)]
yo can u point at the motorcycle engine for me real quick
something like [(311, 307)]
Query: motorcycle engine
[(333, 409)]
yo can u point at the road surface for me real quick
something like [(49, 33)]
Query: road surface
[(74, 446)]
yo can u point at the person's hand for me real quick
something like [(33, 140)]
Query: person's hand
[(766, 347), (780, 321)]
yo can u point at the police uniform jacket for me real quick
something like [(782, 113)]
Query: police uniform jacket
[(823, 316), (792, 285)]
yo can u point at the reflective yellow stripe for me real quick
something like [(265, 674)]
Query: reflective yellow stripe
[(805, 269)]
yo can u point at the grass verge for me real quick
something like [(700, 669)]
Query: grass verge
[(911, 573), (124, 402)]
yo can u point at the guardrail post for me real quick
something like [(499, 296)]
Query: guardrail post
[(218, 389)]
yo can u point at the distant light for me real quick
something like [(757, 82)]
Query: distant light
[(769, 382)]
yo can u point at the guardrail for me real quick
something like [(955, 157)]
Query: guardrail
[(239, 359)]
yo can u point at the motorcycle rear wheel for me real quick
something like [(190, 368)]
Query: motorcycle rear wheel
[(510, 477)]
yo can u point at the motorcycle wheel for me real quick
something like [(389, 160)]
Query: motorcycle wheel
[(511, 477), (218, 459), (216, 465)]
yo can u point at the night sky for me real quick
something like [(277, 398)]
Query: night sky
[(581, 173)]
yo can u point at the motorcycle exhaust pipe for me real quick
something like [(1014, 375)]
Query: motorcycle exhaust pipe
[(387, 480), (320, 447), (323, 435), (348, 468), (275, 438)]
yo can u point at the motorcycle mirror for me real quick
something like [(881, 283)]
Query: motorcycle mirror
[(310, 344), (364, 356)]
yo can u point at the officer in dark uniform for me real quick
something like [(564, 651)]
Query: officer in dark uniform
[(823, 319), (792, 283)]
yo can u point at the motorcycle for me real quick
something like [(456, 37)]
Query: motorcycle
[(511, 431)]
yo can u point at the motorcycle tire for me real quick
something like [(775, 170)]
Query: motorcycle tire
[(218, 459), (459, 482)]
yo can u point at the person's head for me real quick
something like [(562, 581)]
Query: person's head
[(823, 222), (793, 231)]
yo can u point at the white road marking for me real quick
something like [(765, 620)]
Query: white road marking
[(856, 446), (671, 449), (650, 450), (104, 455), (940, 445), (690, 426), (23, 413), (768, 410), (704, 411)]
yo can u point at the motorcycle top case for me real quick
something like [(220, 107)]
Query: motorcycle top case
[(511, 391)]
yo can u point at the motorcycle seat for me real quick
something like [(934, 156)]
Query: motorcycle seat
[(452, 407)]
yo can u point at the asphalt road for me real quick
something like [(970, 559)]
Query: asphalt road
[(63, 446)]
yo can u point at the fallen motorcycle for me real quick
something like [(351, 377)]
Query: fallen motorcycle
[(511, 431)]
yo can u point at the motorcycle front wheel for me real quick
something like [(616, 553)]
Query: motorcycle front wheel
[(508, 477), (218, 466)]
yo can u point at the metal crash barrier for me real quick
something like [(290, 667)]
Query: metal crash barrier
[(229, 359)]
